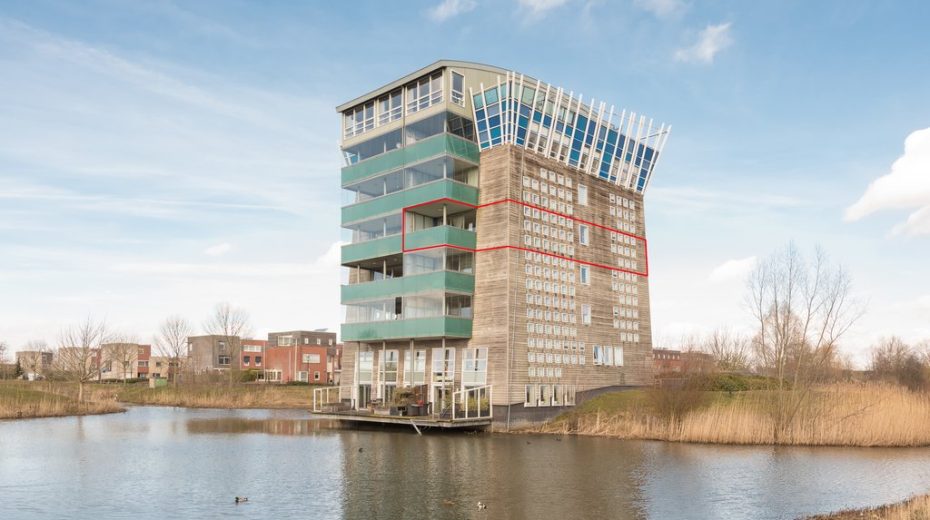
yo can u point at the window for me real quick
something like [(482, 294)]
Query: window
[(618, 356), (443, 364), (273, 376), (585, 275), (286, 341), (303, 376), (246, 360), (585, 314), (458, 89), (316, 375), (258, 361), (598, 355), (390, 107), (582, 195), (222, 345), (387, 366), (311, 358), (414, 367), (365, 366), (543, 395), (359, 119), (222, 361), (475, 367), (530, 399), (424, 92), (582, 234)]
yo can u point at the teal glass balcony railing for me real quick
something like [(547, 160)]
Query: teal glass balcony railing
[(442, 144), (440, 189), (407, 285), (439, 327)]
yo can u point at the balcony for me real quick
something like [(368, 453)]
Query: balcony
[(404, 285), (425, 192), (442, 144), (439, 327), (352, 253), (439, 235)]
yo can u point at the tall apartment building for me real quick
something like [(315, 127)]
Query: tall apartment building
[(498, 241)]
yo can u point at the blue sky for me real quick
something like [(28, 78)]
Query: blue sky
[(158, 157)]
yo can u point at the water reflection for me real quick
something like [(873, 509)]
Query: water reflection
[(230, 425), (190, 463)]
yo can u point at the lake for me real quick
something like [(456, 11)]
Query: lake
[(154, 462)]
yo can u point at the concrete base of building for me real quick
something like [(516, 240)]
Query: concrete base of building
[(517, 415)]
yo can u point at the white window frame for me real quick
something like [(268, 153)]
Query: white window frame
[(582, 199)]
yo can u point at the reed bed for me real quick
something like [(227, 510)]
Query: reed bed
[(917, 508), (25, 401), (220, 396), (834, 415)]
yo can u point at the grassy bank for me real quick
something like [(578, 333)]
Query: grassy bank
[(216, 395), (834, 415), (24, 400), (917, 508)]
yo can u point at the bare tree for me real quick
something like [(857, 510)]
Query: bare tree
[(730, 350), (78, 356), (121, 351), (3, 350), (894, 359), (801, 310), (171, 342), (231, 324)]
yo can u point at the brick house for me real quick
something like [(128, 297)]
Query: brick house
[(308, 356)]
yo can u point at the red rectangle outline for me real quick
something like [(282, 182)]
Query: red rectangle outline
[(403, 235)]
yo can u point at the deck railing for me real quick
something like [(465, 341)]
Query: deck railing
[(473, 403), (327, 395)]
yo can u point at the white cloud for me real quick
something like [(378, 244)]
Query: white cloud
[(450, 8), (732, 270), (539, 8), (711, 40), (218, 249), (907, 186), (661, 8)]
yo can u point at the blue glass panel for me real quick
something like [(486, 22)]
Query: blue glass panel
[(648, 154), (494, 109), (521, 135), (478, 100), (494, 120), (525, 110), (479, 113), (547, 121), (611, 138), (573, 157), (537, 117), (490, 95), (482, 125), (495, 132)]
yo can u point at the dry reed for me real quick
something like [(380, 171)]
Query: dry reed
[(220, 396), (33, 400), (835, 415), (917, 508)]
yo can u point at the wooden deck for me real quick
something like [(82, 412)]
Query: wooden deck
[(418, 422)]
